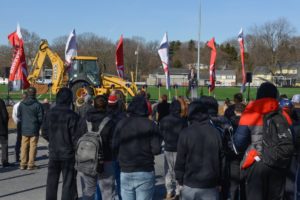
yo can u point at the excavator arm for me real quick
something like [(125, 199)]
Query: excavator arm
[(59, 75)]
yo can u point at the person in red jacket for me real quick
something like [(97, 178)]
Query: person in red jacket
[(262, 181)]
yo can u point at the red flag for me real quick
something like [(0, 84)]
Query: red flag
[(120, 58), (18, 70), (212, 69), (242, 50)]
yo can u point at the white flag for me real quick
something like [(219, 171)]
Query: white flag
[(163, 53), (71, 47)]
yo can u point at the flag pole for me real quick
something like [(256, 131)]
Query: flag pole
[(198, 57)]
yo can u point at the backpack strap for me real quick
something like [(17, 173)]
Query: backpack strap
[(89, 126), (102, 125)]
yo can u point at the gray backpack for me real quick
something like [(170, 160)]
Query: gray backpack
[(89, 150)]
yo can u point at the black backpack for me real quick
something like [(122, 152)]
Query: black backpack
[(89, 150), (277, 143)]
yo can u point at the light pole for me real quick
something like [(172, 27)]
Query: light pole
[(137, 62)]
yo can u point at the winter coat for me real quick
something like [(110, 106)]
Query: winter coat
[(200, 158), (30, 114), (170, 127), (250, 130), (136, 139), (3, 121), (163, 109), (84, 109), (95, 116)]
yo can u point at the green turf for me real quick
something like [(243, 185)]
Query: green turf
[(221, 93)]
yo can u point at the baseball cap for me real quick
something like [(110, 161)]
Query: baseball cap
[(296, 98), (285, 103), (112, 99)]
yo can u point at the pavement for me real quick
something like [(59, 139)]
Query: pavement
[(16, 184)]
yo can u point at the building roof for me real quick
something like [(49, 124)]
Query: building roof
[(227, 72), (262, 70), (288, 65), (204, 74), (173, 71)]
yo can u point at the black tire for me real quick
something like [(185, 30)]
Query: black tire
[(80, 85)]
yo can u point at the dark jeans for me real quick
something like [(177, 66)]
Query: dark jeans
[(264, 183), (4, 148), (18, 141), (69, 188)]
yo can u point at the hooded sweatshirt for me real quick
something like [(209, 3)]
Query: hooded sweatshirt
[(95, 117), (60, 127), (200, 158), (136, 139), (171, 125), (30, 114)]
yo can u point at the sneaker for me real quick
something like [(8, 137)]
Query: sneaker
[(22, 167), (32, 167)]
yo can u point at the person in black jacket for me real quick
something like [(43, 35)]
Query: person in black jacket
[(106, 179), (163, 108), (200, 158), (136, 141), (30, 114), (60, 128), (4, 133), (170, 127)]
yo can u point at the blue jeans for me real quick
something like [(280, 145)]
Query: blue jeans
[(137, 185), (188, 193)]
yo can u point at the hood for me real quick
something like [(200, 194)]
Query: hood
[(263, 106), (29, 101), (138, 106), (64, 96), (93, 115), (197, 111), (267, 90), (175, 108), (211, 104)]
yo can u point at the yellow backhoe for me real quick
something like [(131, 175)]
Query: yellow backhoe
[(82, 76)]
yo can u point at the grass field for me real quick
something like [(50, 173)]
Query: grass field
[(220, 93)]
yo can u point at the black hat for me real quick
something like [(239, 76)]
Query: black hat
[(267, 90), (64, 96)]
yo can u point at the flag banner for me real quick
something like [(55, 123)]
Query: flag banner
[(18, 71), (212, 69), (120, 58), (71, 47), (242, 51), (163, 53)]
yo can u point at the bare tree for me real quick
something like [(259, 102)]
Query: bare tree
[(31, 44), (269, 40)]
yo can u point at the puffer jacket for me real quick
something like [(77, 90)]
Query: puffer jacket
[(250, 130), (30, 113)]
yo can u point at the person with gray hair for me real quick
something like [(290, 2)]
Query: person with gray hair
[(88, 101)]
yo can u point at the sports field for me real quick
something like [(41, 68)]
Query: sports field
[(220, 93)]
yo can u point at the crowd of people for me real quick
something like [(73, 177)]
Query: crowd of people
[(248, 153)]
